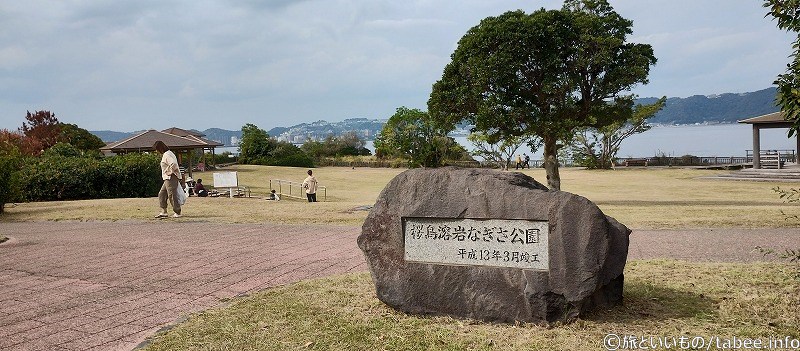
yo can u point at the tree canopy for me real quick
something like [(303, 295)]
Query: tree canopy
[(787, 13), (257, 147), (41, 131), (542, 74), (598, 147), (413, 134), (347, 144), (79, 137), (500, 152)]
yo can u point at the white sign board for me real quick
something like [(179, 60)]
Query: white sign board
[(478, 242), (226, 180)]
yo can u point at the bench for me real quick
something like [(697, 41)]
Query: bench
[(239, 191), (641, 162), (771, 160)]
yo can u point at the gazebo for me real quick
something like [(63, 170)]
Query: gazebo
[(178, 140), (768, 121), (197, 136)]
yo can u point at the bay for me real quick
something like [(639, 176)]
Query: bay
[(697, 140)]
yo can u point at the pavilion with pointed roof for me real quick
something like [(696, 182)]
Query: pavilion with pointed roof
[(180, 141), (768, 121)]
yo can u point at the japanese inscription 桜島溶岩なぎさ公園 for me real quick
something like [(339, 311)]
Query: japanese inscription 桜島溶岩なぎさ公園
[(512, 243)]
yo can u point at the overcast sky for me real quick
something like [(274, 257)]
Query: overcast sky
[(154, 64)]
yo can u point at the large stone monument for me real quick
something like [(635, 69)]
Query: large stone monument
[(491, 245)]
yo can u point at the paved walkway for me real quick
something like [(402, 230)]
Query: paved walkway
[(110, 285)]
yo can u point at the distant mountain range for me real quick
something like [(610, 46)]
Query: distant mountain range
[(698, 109), (724, 108), (363, 127)]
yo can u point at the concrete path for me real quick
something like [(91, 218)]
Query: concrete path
[(110, 285)]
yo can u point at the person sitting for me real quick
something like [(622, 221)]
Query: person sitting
[(199, 189), (273, 196)]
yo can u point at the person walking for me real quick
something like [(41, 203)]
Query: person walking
[(519, 162), (171, 174), (310, 184), (527, 159)]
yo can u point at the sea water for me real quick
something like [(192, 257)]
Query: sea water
[(697, 140)]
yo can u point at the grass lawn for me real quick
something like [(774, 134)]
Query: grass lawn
[(640, 198), (662, 298)]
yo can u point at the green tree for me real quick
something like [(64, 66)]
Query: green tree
[(598, 147), (546, 74), (787, 13), (255, 143), (315, 149), (63, 150), (79, 138), (500, 152), (414, 135), (256, 147), (347, 144), (286, 154)]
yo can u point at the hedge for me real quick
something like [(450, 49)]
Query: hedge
[(77, 178), (9, 167)]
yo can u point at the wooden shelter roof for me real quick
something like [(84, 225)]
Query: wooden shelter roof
[(771, 118), (183, 132), (209, 143), (144, 142), (191, 134)]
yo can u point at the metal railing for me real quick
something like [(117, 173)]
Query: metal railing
[(687, 160), (295, 190), (784, 155)]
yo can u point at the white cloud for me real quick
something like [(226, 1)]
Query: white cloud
[(197, 63)]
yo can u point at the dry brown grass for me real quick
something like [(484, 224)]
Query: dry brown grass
[(660, 198), (641, 198), (662, 298)]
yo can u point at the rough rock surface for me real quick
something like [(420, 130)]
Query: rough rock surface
[(587, 249)]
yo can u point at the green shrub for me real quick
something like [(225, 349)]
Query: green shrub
[(294, 160), (50, 178), (133, 175), (55, 177), (224, 157), (62, 149), (9, 189)]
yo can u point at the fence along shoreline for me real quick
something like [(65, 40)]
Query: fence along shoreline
[(686, 160)]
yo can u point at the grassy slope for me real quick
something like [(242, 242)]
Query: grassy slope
[(640, 198)]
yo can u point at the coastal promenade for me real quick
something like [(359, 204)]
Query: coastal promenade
[(110, 285)]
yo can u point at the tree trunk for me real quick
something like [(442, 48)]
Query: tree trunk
[(551, 163)]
